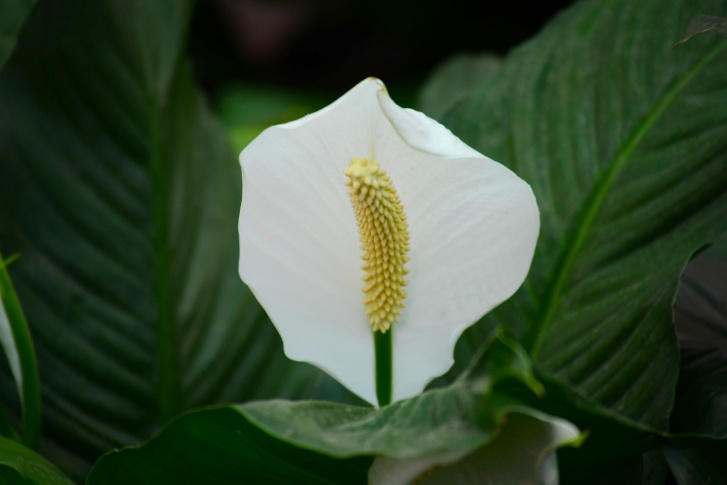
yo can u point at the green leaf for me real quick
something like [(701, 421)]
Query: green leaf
[(14, 13), (206, 445), (21, 466), (219, 446), (454, 80), (621, 138), (462, 415), (17, 343), (6, 429), (617, 451), (121, 194)]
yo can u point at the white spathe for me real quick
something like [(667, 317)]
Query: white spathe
[(473, 227)]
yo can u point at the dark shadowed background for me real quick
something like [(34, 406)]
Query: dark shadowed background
[(330, 45)]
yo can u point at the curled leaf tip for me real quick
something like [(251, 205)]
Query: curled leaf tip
[(703, 23)]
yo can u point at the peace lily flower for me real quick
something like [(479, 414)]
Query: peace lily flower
[(369, 222)]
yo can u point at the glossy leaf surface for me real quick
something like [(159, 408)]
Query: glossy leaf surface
[(120, 193), (16, 341), (621, 137), (21, 466)]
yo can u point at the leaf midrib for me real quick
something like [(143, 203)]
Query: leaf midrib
[(598, 195)]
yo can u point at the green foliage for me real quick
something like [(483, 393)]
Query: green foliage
[(454, 80), (619, 136), (17, 344), (319, 440), (21, 466), (219, 446), (120, 192)]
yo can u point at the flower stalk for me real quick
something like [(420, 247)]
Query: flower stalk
[(384, 366)]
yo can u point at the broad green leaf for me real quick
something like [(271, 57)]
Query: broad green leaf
[(433, 422), (219, 446), (14, 13), (21, 466), (622, 139), (460, 418), (614, 450), (121, 194), (18, 348), (462, 415)]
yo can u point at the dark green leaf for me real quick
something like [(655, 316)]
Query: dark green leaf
[(463, 415), (269, 438), (613, 448), (13, 15), (701, 320), (6, 429), (219, 446), (628, 471), (21, 466), (622, 139), (696, 461), (121, 194), (455, 79), (436, 421), (16, 341)]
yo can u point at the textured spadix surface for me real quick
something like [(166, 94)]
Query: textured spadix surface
[(473, 226)]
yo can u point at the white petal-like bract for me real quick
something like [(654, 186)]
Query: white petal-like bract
[(473, 226)]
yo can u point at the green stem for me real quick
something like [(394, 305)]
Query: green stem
[(383, 352)]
